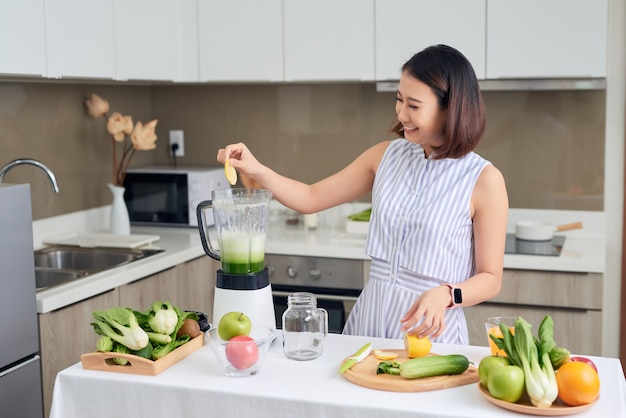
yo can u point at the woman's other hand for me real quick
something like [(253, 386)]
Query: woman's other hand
[(426, 316)]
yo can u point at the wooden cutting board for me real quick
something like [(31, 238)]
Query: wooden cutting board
[(364, 374)]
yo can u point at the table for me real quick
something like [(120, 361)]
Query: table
[(195, 388)]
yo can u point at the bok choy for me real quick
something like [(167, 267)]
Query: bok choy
[(532, 355)]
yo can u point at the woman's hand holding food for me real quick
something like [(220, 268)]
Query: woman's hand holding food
[(241, 159), (428, 311)]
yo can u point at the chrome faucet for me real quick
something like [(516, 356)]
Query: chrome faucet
[(30, 161)]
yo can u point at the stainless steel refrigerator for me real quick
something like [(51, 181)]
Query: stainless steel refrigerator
[(20, 365)]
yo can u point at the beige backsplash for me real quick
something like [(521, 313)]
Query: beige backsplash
[(548, 144)]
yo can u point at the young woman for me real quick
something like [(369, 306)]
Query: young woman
[(438, 224)]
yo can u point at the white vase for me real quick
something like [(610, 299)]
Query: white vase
[(120, 221)]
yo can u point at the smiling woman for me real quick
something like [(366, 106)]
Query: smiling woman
[(422, 237)]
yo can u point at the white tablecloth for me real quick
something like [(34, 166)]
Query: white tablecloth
[(195, 388)]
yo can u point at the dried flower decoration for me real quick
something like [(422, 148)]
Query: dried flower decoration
[(142, 137)]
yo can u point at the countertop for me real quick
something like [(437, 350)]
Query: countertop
[(584, 250), (195, 387)]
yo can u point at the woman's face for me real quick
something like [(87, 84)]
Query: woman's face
[(418, 112)]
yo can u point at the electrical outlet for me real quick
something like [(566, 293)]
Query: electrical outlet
[(178, 137)]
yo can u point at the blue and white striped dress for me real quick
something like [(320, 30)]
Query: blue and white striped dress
[(420, 237)]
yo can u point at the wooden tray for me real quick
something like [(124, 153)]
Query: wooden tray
[(139, 365), (524, 406), (364, 374)]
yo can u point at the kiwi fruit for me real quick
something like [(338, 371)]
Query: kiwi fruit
[(190, 327)]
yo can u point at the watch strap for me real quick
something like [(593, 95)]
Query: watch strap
[(456, 296)]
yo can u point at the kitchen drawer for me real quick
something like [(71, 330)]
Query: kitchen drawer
[(555, 289)]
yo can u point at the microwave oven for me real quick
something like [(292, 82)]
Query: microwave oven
[(168, 196)]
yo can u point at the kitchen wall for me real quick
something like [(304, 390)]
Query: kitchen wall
[(548, 144)]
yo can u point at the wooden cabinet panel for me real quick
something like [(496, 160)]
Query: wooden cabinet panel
[(140, 294), (65, 334), (557, 289), (197, 284)]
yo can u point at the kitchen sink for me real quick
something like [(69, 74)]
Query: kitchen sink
[(56, 265)]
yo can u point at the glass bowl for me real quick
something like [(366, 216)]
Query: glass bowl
[(241, 358)]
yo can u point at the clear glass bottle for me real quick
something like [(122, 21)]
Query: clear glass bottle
[(304, 327)]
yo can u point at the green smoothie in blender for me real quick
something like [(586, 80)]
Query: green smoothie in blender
[(242, 253)]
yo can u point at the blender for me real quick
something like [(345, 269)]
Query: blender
[(241, 222)]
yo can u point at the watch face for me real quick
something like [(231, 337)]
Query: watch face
[(458, 298)]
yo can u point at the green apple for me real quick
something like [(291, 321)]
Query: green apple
[(487, 364), (233, 324), (506, 383)]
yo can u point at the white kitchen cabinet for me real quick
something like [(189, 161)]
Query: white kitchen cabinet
[(546, 38), (329, 40), (240, 40), (22, 38), (405, 27), (156, 40), (80, 39)]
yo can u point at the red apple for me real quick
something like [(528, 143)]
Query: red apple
[(584, 360), (242, 352)]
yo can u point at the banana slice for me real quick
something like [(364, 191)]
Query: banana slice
[(230, 173), (384, 355)]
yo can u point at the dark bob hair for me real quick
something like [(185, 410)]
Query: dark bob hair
[(452, 79)]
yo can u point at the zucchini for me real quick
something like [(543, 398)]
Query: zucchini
[(429, 366)]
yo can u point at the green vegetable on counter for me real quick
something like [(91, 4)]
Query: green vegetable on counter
[(532, 355), (104, 344), (121, 325), (141, 333), (429, 366), (120, 348), (145, 352), (363, 216), (162, 318), (388, 367), (559, 356)]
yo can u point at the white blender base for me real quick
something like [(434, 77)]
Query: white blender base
[(257, 304)]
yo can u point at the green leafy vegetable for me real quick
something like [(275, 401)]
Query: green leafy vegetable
[(121, 325), (559, 356), (389, 367), (363, 216), (159, 339), (134, 330), (120, 348), (145, 352), (162, 317), (533, 357), (104, 344)]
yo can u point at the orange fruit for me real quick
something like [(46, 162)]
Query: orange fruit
[(416, 346), (578, 383)]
